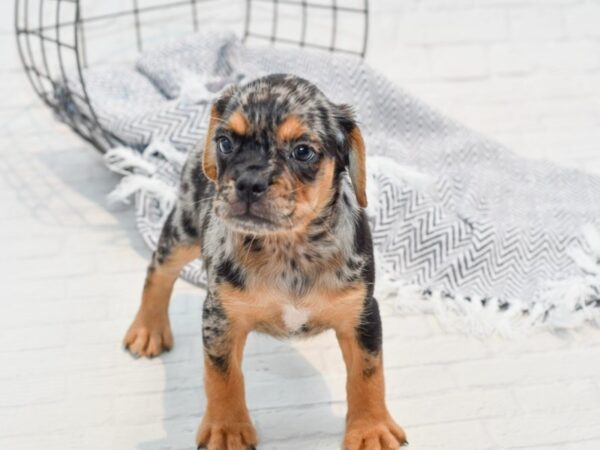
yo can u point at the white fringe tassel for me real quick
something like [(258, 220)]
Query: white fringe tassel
[(124, 160), (132, 184), (139, 171), (167, 151)]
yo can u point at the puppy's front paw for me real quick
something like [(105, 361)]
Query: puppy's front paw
[(229, 434), (372, 434), (149, 334)]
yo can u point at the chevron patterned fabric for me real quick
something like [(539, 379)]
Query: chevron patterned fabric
[(462, 227)]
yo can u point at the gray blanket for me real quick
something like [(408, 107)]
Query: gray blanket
[(461, 226)]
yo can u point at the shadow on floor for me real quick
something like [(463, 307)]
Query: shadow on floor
[(285, 394)]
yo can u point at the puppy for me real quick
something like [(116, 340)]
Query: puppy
[(274, 204)]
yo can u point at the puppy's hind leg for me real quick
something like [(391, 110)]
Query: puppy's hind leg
[(150, 332)]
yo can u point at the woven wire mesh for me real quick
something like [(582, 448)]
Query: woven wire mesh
[(59, 39)]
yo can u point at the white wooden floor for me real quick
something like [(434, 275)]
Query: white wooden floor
[(72, 269)]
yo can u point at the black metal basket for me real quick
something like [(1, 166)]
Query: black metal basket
[(60, 38)]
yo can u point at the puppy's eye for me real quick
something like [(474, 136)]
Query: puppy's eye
[(224, 145), (304, 153)]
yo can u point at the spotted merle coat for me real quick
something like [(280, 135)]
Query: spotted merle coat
[(273, 202)]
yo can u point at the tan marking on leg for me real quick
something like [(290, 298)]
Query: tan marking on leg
[(367, 420), (226, 423), (150, 332), (339, 307), (290, 129)]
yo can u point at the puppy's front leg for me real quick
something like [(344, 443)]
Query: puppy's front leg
[(150, 332), (369, 425), (226, 423)]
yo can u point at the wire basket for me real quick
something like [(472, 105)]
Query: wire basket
[(58, 39)]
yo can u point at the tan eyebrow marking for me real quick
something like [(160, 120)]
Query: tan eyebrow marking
[(291, 128), (238, 123)]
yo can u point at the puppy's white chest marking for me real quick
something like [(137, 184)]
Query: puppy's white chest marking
[(294, 318)]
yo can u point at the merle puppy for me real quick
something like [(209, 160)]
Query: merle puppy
[(274, 204)]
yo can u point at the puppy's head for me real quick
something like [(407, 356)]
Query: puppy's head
[(275, 149)]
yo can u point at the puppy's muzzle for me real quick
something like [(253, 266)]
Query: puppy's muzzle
[(250, 186), (251, 204)]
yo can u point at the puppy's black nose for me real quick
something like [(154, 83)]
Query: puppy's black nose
[(250, 187)]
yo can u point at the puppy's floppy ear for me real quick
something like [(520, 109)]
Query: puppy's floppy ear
[(356, 152), (209, 157)]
